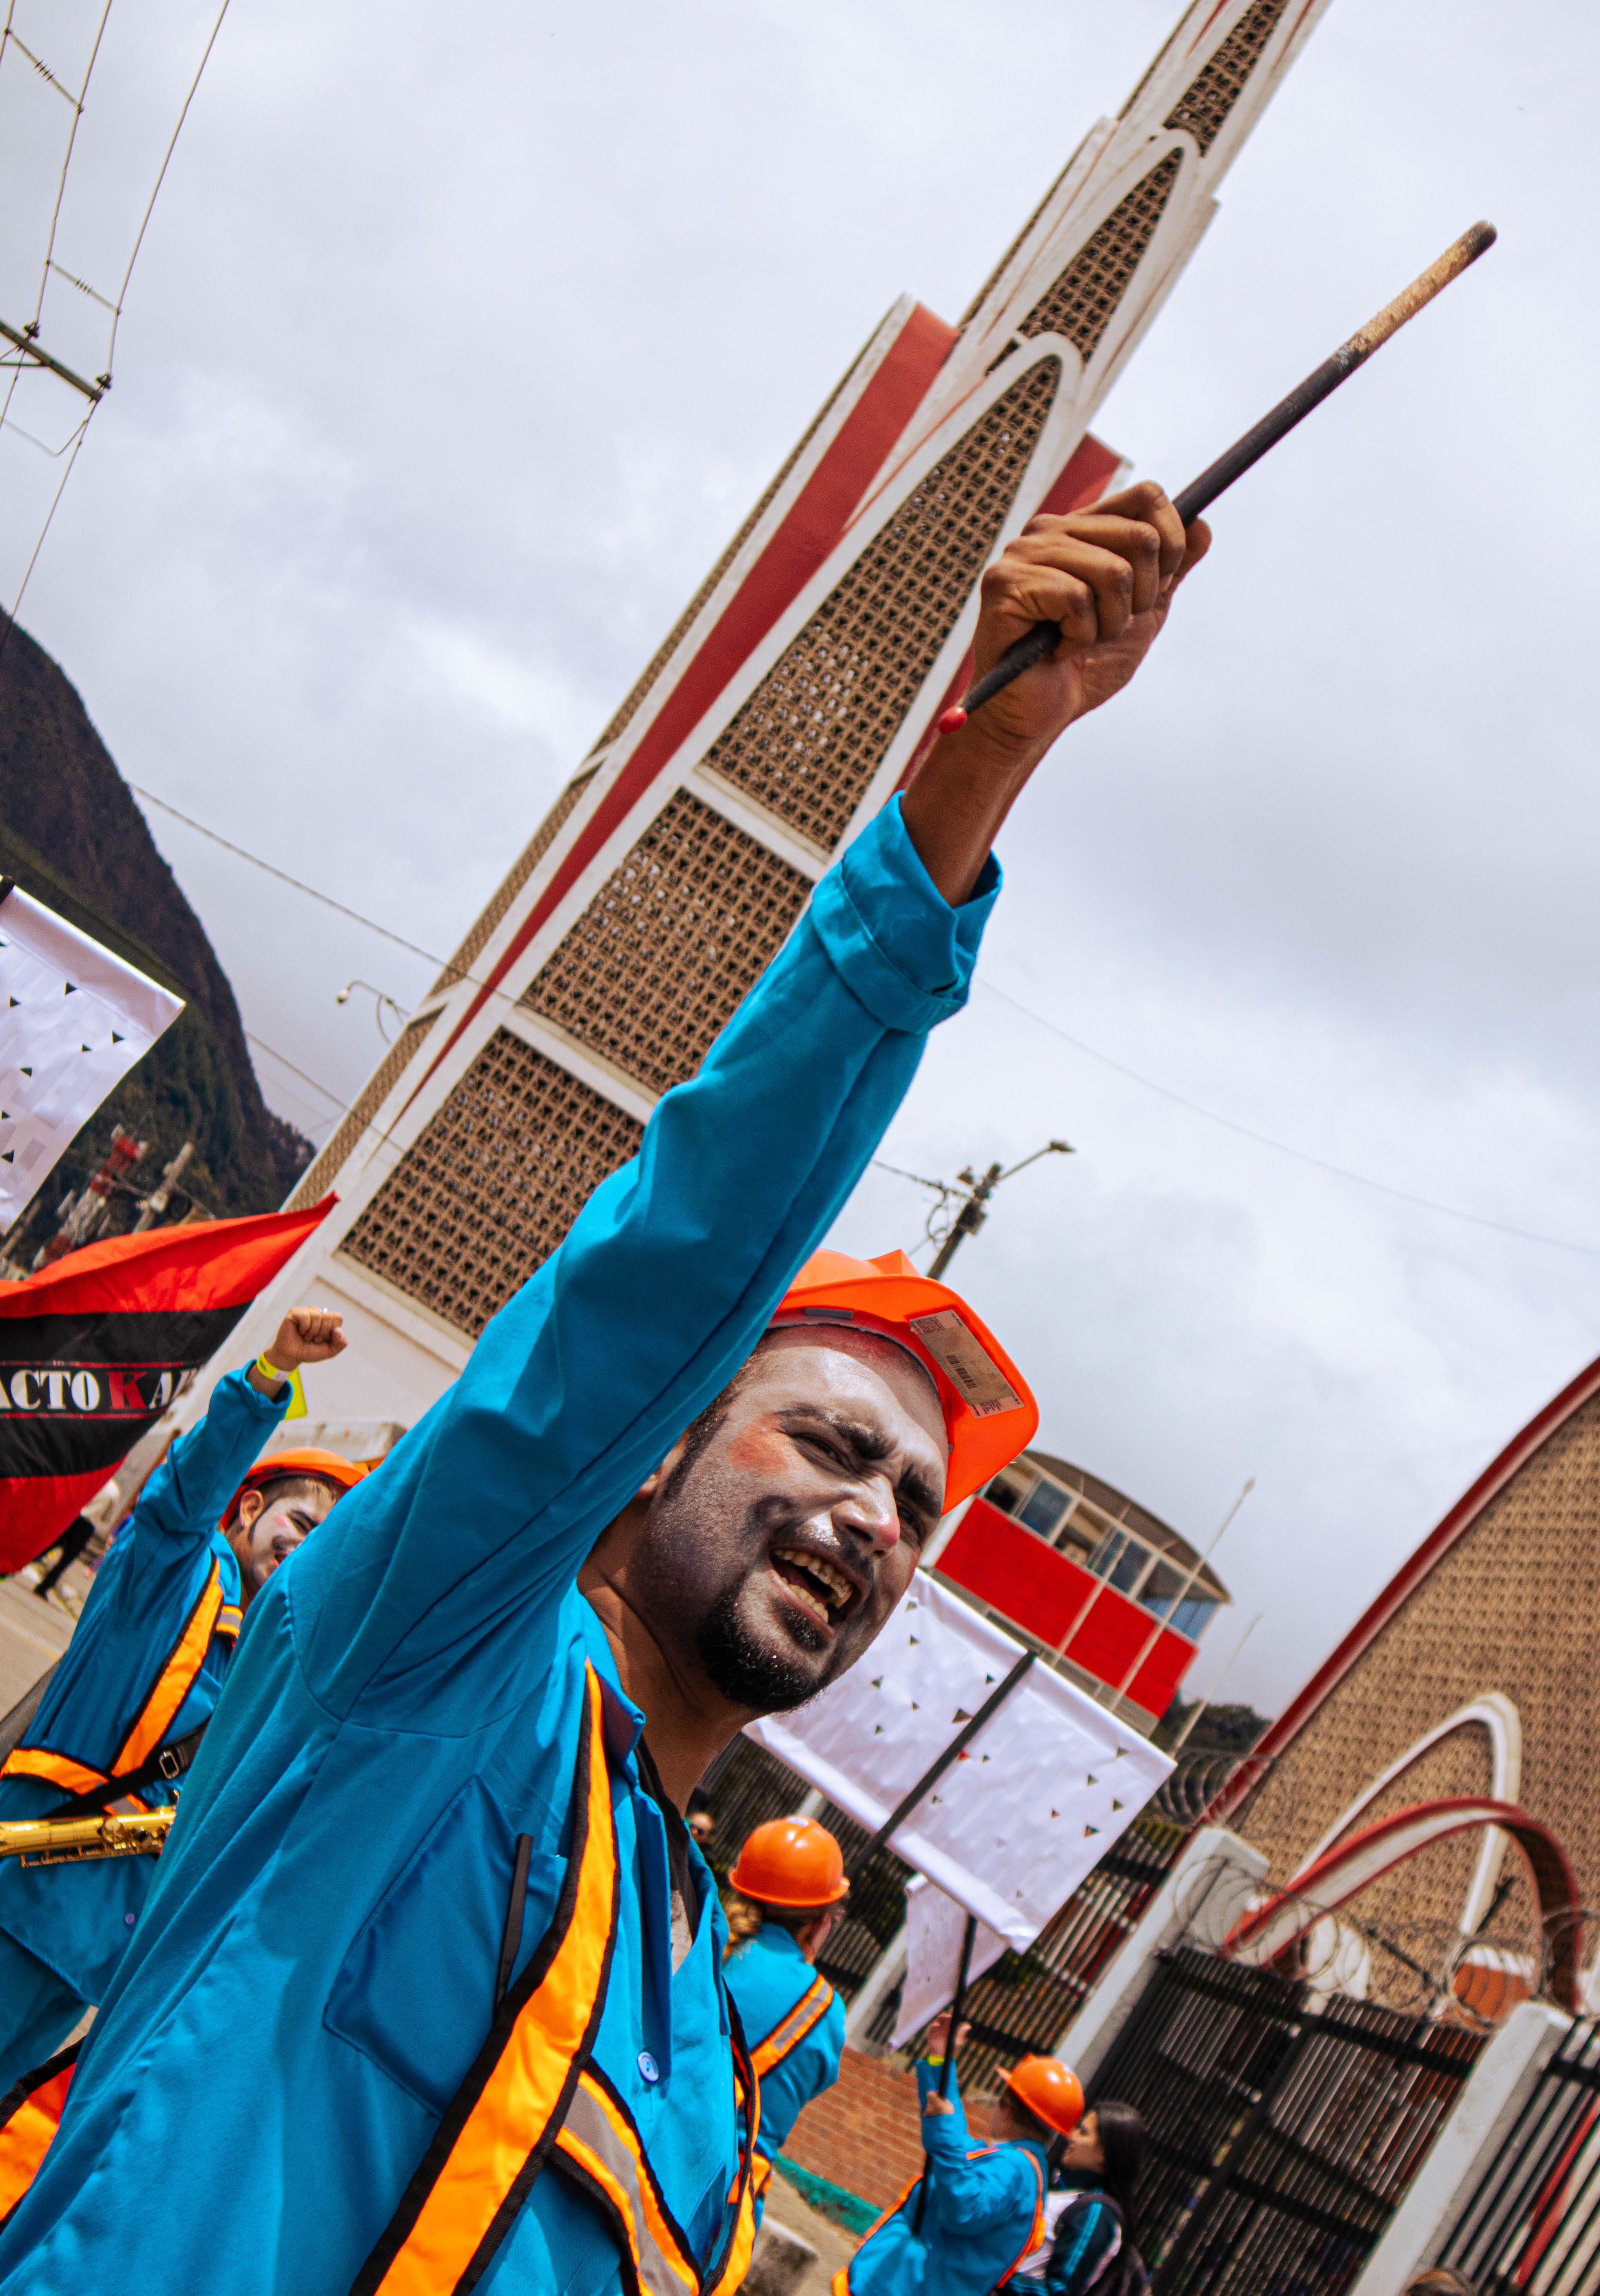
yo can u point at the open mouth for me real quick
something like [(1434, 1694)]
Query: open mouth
[(816, 1584)]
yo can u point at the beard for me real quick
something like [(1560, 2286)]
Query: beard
[(747, 1672)]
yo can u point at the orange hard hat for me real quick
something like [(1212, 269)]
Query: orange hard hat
[(327, 1466), (1051, 2092), (990, 1411), (793, 1862)]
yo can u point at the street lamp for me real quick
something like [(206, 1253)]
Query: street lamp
[(972, 1194)]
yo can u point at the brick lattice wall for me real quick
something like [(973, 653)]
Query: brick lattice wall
[(862, 2132)]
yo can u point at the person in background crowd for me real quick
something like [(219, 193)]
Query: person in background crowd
[(127, 1702), (791, 1873), (68, 1548), (1094, 2243), (984, 2215), (1440, 2280), (702, 1824)]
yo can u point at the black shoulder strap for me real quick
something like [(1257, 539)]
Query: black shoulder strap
[(165, 1767)]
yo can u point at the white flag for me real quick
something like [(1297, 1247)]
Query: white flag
[(73, 1021), (1034, 1802), (935, 1926)]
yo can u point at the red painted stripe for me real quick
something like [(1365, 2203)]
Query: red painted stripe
[(808, 531), (1410, 1576)]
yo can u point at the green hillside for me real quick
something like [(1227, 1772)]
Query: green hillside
[(71, 835)]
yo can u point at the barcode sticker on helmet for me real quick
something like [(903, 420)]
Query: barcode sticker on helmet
[(966, 1362)]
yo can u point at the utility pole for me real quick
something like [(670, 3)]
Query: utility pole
[(973, 1194)]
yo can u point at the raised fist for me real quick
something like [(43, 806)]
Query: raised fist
[(307, 1335)]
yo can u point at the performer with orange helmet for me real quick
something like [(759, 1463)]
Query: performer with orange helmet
[(429, 1995), (122, 1711), (791, 1871), (984, 2213)]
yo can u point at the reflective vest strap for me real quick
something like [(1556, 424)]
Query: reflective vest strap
[(790, 2031), (727, 2276), (229, 1620), (1036, 2231), (599, 2138), (60, 1769), (173, 1685), (502, 2123), (601, 2150), (760, 2176), (842, 2278), (29, 2116)]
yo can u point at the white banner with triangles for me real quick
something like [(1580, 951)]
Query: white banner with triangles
[(1033, 1802), (74, 1020)]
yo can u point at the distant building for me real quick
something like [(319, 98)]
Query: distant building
[(1108, 1591)]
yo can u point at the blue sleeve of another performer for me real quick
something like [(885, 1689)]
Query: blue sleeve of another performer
[(969, 2195), (182, 1503), (581, 1384)]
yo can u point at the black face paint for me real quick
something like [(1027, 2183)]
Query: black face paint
[(747, 1672)]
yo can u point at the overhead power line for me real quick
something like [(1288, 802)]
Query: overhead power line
[(1091, 1052), (1283, 1147), (9, 38)]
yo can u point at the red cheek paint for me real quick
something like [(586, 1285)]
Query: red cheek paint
[(760, 1450)]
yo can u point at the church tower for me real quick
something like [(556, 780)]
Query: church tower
[(789, 702)]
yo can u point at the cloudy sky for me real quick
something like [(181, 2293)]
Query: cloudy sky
[(462, 340)]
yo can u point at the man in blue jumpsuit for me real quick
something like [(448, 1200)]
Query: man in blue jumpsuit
[(791, 1872), (983, 2211), (431, 1923), (141, 1675)]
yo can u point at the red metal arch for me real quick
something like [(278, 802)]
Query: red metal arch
[(1352, 1866)]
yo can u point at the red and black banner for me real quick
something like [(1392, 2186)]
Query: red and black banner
[(94, 1349)]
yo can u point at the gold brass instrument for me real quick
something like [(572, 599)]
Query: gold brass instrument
[(70, 1841)]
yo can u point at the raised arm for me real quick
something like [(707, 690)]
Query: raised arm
[(183, 1502), (583, 1382)]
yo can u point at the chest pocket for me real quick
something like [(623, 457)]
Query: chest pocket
[(415, 1993)]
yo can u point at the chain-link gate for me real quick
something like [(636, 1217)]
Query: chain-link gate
[(1282, 2136)]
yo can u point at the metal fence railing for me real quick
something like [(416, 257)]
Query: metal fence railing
[(746, 1785), (1028, 2000), (1281, 2138), (1533, 2224)]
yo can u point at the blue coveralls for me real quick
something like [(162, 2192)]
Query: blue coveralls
[(975, 2229), (316, 1969), (766, 1976), (64, 1929)]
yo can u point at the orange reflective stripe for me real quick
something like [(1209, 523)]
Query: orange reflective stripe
[(1037, 2233), (791, 2030), (760, 2177), (32, 2114), (503, 2121), (60, 1769), (229, 1620), (175, 1680), (842, 2278)]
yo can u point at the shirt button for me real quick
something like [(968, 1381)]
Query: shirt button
[(648, 2066), (128, 1920)]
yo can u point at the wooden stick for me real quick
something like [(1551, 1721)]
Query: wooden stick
[(1041, 641)]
